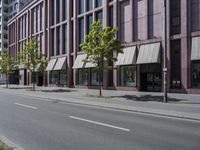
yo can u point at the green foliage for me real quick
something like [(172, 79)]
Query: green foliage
[(7, 65), (31, 57), (100, 45)]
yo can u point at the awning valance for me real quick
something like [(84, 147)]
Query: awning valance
[(78, 64), (60, 64), (128, 57), (149, 53), (51, 64), (195, 55)]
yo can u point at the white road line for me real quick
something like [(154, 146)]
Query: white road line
[(32, 107), (99, 123)]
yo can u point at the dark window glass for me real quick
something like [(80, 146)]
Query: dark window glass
[(65, 39), (99, 16), (64, 9), (81, 6), (83, 75), (63, 77), (128, 75), (196, 74), (89, 5), (54, 12), (58, 41), (94, 77), (89, 23), (175, 16), (81, 30), (176, 64), (53, 41), (111, 17), (98, 3), (54, 77), (58, 12), (58, 77)]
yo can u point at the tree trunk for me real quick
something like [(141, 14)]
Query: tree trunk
[(6, 80), (100, 92), (33, 81)]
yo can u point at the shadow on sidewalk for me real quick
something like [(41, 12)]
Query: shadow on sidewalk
[(19, 88), (147, 98), (58, 91)]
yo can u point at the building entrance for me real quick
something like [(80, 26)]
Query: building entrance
[(151, 78)]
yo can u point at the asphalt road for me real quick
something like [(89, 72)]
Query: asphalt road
[(39, 124)]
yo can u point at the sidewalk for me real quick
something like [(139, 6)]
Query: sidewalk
[(180, 105)]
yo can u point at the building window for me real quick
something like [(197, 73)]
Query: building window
[(94, 77), (175, 6), (54, 77), (58, 41), (83, 75), (53, 42), (89, 5), (81, 6), (98, 3), (64, 10), (54, 12), (128, 76), (196, 74), (176, 64), (81, 30), (110, 17), (58, 77), (63, 77), (99, 16), (195, 15), (64, 39), (89, 23)]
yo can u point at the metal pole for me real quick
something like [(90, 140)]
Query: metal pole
[(165, 54)]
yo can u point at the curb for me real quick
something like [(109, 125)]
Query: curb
[(179, 115), (9, 145)]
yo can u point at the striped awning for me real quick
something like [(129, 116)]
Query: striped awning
[(51, 64), (60, 64), (149, 53), (128, 57), (195, 55), (78, 64)]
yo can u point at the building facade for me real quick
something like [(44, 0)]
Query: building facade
[(61, 26), (8, 8)]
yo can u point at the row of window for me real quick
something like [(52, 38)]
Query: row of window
[(89, 5), (59, 40), (89, 77), (59, 11)]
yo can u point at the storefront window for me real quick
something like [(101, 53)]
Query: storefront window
[(128, 75), (63, 77), (94, 77), (58, 77), (83, 75), (196, 75), (54, 77)]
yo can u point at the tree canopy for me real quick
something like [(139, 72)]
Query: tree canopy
[(99, 47)]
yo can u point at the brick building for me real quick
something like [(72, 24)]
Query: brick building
[(60, 26)]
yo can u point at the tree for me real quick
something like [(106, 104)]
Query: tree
[(99, 47), (7, 66), (32, 59)]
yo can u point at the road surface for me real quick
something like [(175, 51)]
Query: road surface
[(41, 124)]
